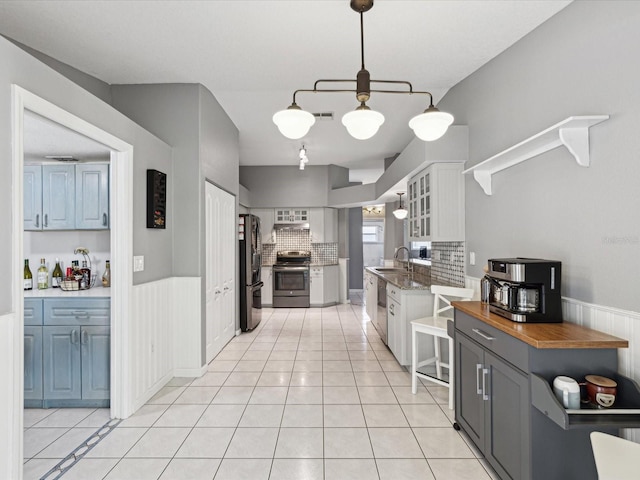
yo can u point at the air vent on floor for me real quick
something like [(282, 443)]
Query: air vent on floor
[(323, 115)]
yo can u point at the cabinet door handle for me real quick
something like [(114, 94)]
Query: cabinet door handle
[(478, 387), (391, 309), (485, 374), (104, 219), (484, 335), (37, 219), (74, 336), (81, 314), (46, 220), (84, 337)]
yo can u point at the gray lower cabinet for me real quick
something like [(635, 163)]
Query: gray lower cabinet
[(493, 392), (32, 364), (67, 356)]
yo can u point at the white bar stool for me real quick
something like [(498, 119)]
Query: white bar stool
[(616, 458), (436, 326)]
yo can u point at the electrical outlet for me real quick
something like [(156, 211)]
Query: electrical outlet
[(138, 263), (472, 258)]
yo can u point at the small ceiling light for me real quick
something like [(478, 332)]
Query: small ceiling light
[(363, 123), (400, 213)]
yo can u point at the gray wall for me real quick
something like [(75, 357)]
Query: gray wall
[(393, 230), (100, 89), (289, 186), (355, 249), (23, 69), (582, 61)]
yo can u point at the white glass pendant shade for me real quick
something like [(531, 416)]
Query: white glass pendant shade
[(431, 125), (363, 123), (400, 213), (294, 123)]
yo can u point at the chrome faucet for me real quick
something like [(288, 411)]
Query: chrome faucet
[(409, 264)]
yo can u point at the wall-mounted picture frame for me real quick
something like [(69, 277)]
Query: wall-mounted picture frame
[(156, 199)]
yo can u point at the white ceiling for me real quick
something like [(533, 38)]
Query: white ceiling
[(252, 55)]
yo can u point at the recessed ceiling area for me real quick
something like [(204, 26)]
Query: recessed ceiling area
[(252, 55)]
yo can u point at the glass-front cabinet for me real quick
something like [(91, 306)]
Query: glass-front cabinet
[(436, 203), (292, 215)]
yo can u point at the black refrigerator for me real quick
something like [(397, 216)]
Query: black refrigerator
[(250, 262)]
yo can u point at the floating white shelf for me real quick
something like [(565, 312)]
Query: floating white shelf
[(572, 132)]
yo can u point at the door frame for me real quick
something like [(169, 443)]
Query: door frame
[(121, 223)]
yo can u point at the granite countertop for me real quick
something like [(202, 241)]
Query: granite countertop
[(401, 279), (97, 291), (543, 335)]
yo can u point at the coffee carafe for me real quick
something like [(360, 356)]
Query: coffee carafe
[(525, 289)]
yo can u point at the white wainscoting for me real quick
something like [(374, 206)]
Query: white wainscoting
[(166, 334), (621, 323), (10, 422)]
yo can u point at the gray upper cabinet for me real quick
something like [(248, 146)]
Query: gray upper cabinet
[(66, 197), (58, 197), (32, 197), (92, 197)]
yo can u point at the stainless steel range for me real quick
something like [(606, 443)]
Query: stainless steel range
[(291, 279)]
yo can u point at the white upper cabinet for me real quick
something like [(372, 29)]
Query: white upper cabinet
[(323, 224), (436, 204), (291, 215)]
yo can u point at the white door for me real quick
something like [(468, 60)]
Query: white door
[(220, 250)]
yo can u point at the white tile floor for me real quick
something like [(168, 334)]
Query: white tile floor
[(310, 394)]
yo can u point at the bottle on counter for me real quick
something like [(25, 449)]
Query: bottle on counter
[(28, 278), (106, 276), (56, 276), (85, 281), (43, 276)]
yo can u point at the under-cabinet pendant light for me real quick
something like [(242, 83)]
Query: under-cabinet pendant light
[(400, 213), (363, 123)]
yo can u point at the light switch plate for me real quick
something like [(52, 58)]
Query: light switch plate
[(138, 263), (472, 258)]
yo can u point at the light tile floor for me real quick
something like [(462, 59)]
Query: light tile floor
[(311, 394)]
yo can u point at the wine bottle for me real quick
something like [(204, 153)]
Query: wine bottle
[(43, 276), (56, 276), (85, 281), (28, 278), (106, 276)]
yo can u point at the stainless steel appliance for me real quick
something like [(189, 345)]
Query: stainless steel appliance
[(381, 316), (525, 289), (291, 279), (250, 261)]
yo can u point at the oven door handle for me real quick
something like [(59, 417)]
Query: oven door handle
[(290, 269)]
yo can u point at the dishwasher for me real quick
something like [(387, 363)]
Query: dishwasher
[(381, 315)]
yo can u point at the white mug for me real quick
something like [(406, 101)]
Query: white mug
[(567, 391)]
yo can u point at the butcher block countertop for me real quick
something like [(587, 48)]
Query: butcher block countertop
[(543, 335)]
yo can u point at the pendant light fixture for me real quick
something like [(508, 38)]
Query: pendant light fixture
[(363, 123), (400, 213)]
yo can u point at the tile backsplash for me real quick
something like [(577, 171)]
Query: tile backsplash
[(321, 253), (447, 263)]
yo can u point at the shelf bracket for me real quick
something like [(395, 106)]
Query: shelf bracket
[(577, 142), (572, 132)]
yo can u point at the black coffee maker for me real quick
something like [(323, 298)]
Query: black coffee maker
[(525, 290)]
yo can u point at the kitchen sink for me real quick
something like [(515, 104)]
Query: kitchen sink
[(394, 270)]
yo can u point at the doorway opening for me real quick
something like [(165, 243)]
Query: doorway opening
[(120, 204)]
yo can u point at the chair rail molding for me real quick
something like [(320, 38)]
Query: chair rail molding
[(572, 132)]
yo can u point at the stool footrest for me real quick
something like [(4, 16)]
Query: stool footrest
[(432, 378)]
